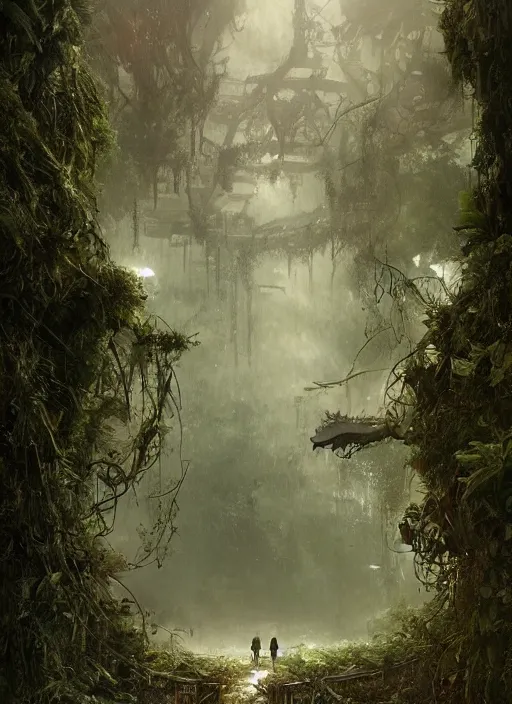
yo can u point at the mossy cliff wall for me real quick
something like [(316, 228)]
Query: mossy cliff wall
[(461, 376), (62, 371)]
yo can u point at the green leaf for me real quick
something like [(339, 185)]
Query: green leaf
[(481, 478), (501, 357), (496, 376), (105, 674), (502, 244), (55, 577), (485, 592), (469, 216), (462, 367), (467, 458)]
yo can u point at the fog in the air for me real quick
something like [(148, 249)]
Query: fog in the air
[(272, 537)]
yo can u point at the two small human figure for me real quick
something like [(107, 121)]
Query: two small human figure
[(256, 647), (274, 647)]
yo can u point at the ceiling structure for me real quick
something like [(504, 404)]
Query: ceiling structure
[(276, 126)]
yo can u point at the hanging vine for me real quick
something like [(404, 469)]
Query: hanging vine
[(87, 379), (459, 382)]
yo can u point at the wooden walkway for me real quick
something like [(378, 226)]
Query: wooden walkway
[(181, 690), (172, 689)]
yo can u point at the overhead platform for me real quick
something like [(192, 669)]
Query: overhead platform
[(291, 164), (283, 227), (170, 219), (314, 83)]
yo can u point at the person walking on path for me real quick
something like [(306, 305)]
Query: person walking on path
[(274, 647), (256, 647)]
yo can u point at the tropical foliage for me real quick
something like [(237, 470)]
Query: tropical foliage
[(458, 379), (87, 378)]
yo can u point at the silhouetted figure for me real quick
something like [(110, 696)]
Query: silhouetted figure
[(274, 647), (256, 647)]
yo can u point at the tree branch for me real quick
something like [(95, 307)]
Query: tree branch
[(330, 384)]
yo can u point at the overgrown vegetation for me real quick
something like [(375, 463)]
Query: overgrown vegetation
[(87, 386), (87, 382), (172, 658), (459, 380), (158, 63), (461, 428), (389, 668)]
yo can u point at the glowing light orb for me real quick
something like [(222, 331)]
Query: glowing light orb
[(144, 272), (256, 676)]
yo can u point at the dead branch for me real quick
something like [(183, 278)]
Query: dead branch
[(330, 384), (340, 434), (344, 113), (333, 694)]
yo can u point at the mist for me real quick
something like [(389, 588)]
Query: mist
[(273, 538)]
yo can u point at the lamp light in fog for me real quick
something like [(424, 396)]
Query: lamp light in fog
[(144, 272), (374, 567)]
